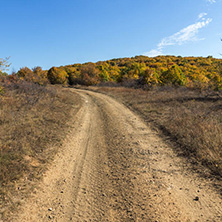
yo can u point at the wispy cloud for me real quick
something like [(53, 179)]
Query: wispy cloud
[(211, 1), (154, 52), (201, 15), (185, 35)]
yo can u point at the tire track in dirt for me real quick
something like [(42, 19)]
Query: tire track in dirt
[(114, 168)]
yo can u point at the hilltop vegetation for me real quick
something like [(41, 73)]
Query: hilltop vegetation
[(138, 71)]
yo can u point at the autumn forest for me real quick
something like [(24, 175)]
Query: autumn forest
[(140, 71)]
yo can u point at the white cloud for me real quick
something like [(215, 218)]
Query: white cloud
[(211, 1), (185, 35), (201, 15), (154, 52)]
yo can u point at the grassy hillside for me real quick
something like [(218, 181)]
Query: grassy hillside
[(33, 122)]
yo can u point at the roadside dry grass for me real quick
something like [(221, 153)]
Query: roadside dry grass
[(191, 118), (33, 123)]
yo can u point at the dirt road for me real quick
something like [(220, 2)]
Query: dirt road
[(114, 168)]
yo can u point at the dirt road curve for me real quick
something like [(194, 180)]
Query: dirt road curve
[(114, 168)]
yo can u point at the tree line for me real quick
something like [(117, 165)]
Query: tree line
[(139, 70)]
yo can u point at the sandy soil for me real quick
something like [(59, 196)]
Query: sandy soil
[(114, 168)]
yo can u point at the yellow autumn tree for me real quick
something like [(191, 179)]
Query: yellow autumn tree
[(149, 77), (36, 75), (74, 75), (25, 73), (4, 64), (173, 75), (40, 75), (89, 74), (57, 75)]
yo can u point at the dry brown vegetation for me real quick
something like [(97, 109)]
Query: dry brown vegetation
[(191, 118), (33, 122)]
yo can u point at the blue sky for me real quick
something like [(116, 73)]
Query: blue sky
[(50, 33)]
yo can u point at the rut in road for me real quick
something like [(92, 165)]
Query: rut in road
[(114, 168)]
